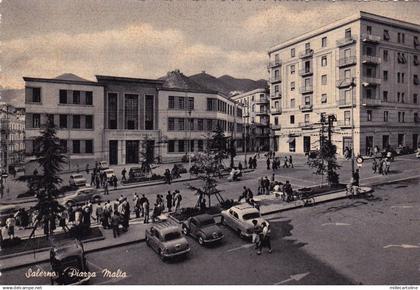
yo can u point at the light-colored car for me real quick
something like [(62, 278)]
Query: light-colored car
[(240, 217), (77, 180), (203, 228), (82, 195), (103, 165), (167, 241), (109, 173)]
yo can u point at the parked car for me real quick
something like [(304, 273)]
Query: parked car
[(135, 174), (6, 211), (103, 165), (167, 241), (67, 258), (240, 217), (203, 228), (181, 168), (109, 173), (418, 153), (77, 180), (82, 195)]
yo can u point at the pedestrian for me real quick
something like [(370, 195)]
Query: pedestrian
[(250, 163), (143, 199), (71, 214), (273, 164), (291, 161), (35, 173), (260, 185), (167, 175), (99, 213), (115, 182), (285, 162), (115, 223), (146, 211), (240, 167), (92, 179), (356, 177), (106, 190), (98, 181), (10, 225), (256, 234), (255, 162), (374, 166), (266, 185), (62, 222), (178, 199), (87, 168), (136, 202), (169, 201), (265, 240), (243, 195), (123, 173), (268, 163), (387, 166)]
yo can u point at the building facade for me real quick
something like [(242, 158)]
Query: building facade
[(363, 69), (256, 118), (12, 136), (75, 105)]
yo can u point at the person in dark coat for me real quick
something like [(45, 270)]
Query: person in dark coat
[(169, 201), (115, 222)]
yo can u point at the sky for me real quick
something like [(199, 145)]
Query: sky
[(148, 38)]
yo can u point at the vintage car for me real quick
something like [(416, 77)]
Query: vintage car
[(240, 217), (68, 263), (82, 195), (109, 173), (167, 241), (203, 228), (135, 174), (103, 165), (77, 180)]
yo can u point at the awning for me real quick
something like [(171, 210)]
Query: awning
[(291, 139)]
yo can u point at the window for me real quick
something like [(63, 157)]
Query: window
[(369, 72), (276, 121), (276, 58), (76, 146), (415, 60), (369, 51), (292, 86), (63, 145), (190, 104), (416, 41), (89, 122), (63, 97), (76, 97), (112, 110), (385, 75), (276, 74), (308, 100), (76, 121), (386, 36), (200, 125), (402, 77), (416, 117), (33, 95), (324, 98), (324, 80), (415, 97), (385, 96), (210, 104), (191, 124), (307, 66), (324, 42), (416, 79), (385, 55), (306, 118), (386, 116), (347, 33), (324, 60), (181, 146), (307, 47), (89, 146), (369, 29), (181, 103), (171, 102), (399, 37), (131, 111), (398, 77), (368, 93), (36, 121), (399, 117), (89, 98), (292, 103), (171, 146), (200, 145), (292, 119), (347, 74), (369, 115), (253, 108), (292, 52), (63, 121), (292, 69), (149, 114), (276, 88), (171, 124), (181, 124)]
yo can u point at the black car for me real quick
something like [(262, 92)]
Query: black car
[(203, 228), (135, 174)]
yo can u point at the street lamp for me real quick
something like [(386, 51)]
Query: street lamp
[(352, 85)]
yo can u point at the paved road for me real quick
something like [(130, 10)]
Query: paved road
[(231, 262)]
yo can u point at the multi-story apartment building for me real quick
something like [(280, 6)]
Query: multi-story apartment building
[(188, 114), (256, 118), (363, 69), (12, 136), (76, 107)]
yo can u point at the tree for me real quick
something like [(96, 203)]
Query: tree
[(217, 143), (326, 162), (50, 157)]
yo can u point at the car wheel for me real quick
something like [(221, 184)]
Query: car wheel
[(185, 230), (201, 240), (162, 257)]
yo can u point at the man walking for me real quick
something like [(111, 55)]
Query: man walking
[(99, 213), (356, 178), (169, 201), (136, 201), (115, 222), (268, 163), (265, 240), (178, 199), (291, 161), (123, 173)]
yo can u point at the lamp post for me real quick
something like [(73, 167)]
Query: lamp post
[(189, 139), (352, 85)]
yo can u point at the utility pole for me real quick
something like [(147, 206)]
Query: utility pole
[(352, 85)]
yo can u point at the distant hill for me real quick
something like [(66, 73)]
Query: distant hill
[(15, 97), (226, 83)]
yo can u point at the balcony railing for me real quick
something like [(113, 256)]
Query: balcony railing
[(370, 81), (344, 123), (371, 59), (274, 63), (367, 102), (275, 111), (275, 79), (370, 38), (261, 112), (305, 72), (276, 95), (345, 61), (263, 100), (306, 125), (306, 89), (343, 103), (275, 127), (306, 53), (346, 41), (306, 108), (344, 83)]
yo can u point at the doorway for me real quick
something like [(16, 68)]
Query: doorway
[(113, 152), (150, 150), (347, 142), (132, 151), (306, 144)]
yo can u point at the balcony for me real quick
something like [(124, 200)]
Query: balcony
[(345, 103), (261, 112), (274, 63), (305, 72), (368, 59), (306, 108), (307, 53), (416, 81), (346, 41), (306, 125), (344, 124), (347, 61), (275, 111), (306, 89), (275, 127), (370, 38), (276, 95), (370, 81), (366, 102), (263, 100), (275, 79), (344, 83)]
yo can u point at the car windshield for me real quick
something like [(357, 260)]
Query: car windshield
[(172, 236), (253, 215), (207, 222)]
